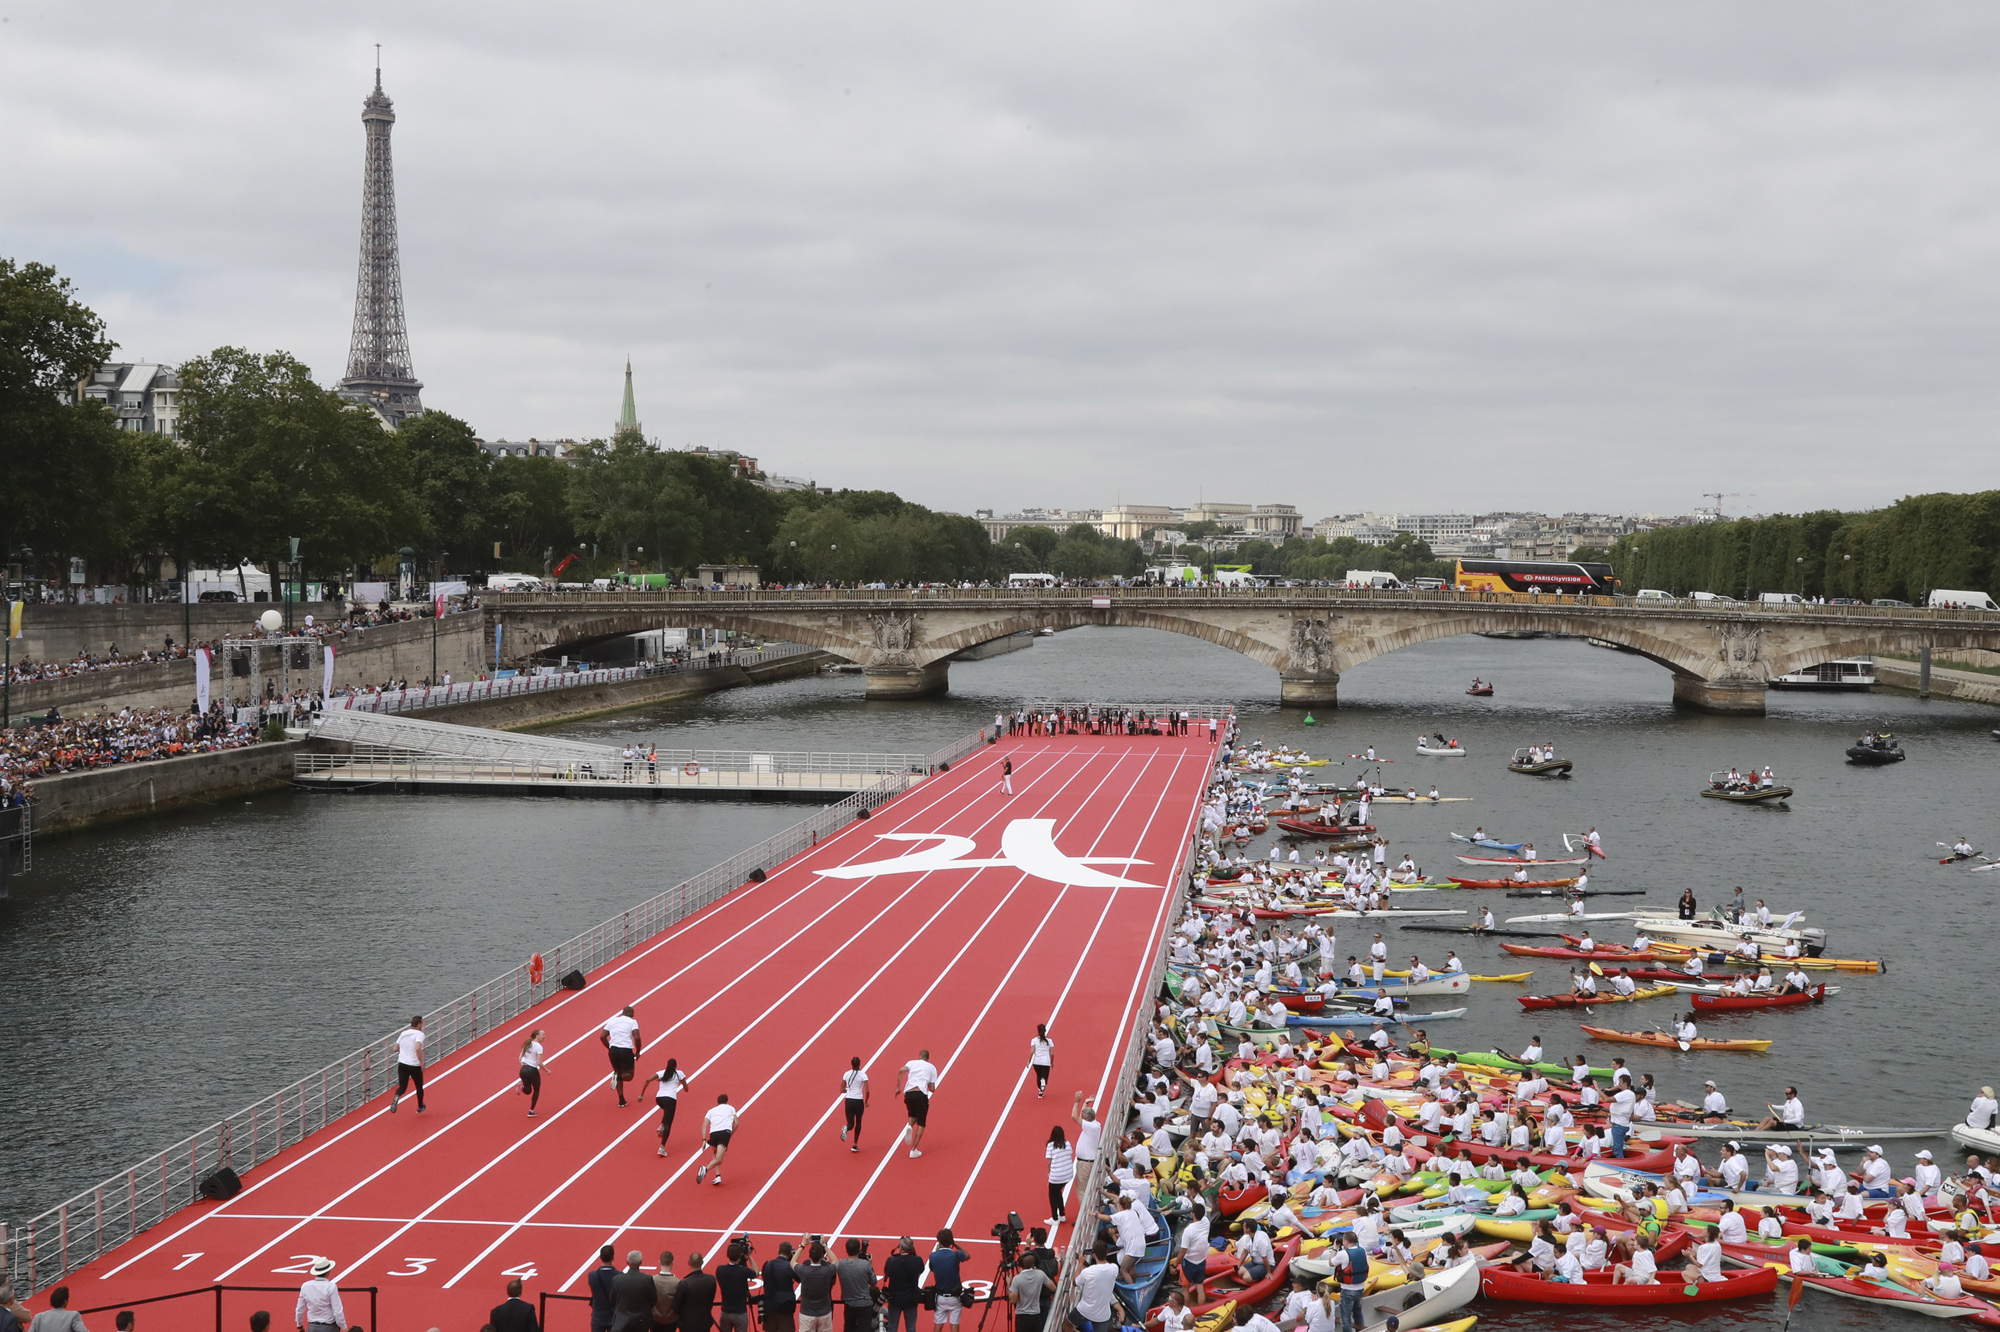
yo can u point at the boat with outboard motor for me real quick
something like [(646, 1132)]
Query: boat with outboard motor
[(1875, 750), (1724, 786), (1539, 763), (1442, 749)]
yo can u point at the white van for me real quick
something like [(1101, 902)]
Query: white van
[(1714, 597), (1951, 599), (513, 582), (1031, 580), (1780, 598), (1372, 578), (1653, 594)]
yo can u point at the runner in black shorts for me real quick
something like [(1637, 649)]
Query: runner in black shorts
[(671, 1080), (622, 1041), (916, 1080), (718, 1126), (854, 1099)]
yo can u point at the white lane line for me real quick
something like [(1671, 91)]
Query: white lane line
[(1080, 770), (966, 1040)]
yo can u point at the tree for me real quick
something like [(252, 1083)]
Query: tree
[(63, 464), (268, 455), (528, 512), (449, 477), (1036, 544)]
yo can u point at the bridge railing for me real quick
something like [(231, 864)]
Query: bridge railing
[(392, 766), (1083, 597), (479, 691), (41, 1251)]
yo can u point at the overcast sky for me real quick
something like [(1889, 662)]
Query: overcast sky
[(1351, 256)]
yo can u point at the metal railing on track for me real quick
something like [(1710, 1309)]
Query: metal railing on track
[(757, 772), (41, 1251)]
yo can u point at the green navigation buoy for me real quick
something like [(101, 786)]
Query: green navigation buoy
[(1309, 720)]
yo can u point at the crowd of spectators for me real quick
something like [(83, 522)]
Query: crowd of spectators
[(26, 671), (56, 745)]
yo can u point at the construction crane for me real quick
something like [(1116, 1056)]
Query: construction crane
[(1720, 495)]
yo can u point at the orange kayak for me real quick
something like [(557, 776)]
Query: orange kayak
[(1665, 1041)]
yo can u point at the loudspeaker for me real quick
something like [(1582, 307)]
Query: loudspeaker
[(756, 876), (573, 981), (860, 813), (221, 1186)]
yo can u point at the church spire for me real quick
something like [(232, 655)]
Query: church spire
[(628, 415)]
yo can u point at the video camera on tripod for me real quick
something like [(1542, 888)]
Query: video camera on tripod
[(1008, 1232)]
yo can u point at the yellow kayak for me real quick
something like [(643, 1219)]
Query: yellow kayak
[(1516, 976), (1780, 960)]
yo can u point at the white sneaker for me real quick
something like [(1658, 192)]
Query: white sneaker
[(701, 1174), (716, 1180), (843, 1133), (663, 1151), (915, 1153)]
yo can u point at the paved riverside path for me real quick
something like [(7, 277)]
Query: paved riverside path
[(992, 913)]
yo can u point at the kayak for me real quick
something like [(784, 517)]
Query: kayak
[(1574, 1001), (1503, 1283), (1357, 832), (1558, 917), (1873, 1292), (1776, 959), (1484, 1059), (1661, 1039), (1511, 861), (1575, 954), (1364, 1019), (1729, 1003), (1831, 1135), (1514, 883), (1488, 842)]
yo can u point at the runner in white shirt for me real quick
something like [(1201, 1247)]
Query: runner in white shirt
[(718, 1126), (1041, 1056), (854, 1100), (915, 1081), (668, 1097), (531, 1070), (621, 1040), (410, 1063)]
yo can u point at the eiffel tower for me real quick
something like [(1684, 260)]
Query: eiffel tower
[(378, 360)]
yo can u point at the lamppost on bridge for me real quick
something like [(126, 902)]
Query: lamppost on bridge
[(27, 558), (1802, 577)]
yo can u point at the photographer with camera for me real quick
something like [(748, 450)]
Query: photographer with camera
[(732, 1284), (857, 1288), (1040, 1254), (903, 1275), (781, 1301), (946, 1263), (816, 1277)]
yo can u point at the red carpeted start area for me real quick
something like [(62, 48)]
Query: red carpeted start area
[(952, 921)]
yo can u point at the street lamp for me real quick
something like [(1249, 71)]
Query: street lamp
[(1802, 577), (7, 634)]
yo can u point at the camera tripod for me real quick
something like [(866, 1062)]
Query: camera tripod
[(1003, 1278)]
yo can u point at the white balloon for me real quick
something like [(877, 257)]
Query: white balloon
[(270, 620)]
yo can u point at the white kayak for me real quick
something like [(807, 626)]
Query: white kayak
[(1559, 917)]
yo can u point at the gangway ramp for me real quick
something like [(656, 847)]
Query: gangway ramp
[(404, 753)]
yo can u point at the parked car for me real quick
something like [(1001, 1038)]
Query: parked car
[(1843, 601), (1653, 594)]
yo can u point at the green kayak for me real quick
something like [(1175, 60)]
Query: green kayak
[(1480, 1059)]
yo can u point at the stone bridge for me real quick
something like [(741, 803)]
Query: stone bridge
[(1721, 656)]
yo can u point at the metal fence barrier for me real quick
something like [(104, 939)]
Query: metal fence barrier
[(389, 767), (41, 1251), (477, 691)]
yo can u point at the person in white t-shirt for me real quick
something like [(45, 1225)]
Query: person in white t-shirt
[(668, 1097), (717, 1127), (531, 1070), (854, 1100), (621, 1040), (410, 1063), (916, 1081), (1041, 1055)]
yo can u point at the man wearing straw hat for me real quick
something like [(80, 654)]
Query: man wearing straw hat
[(319, 1301)]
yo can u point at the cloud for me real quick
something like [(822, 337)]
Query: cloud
[(1425, 257)]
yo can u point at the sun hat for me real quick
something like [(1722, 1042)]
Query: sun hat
[(322, 1266), (1924, 1155)]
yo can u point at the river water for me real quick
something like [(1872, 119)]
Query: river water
[(168, 970)]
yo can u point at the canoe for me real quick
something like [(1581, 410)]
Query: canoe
[(1487, 842), (1257, 1292), (1231, 1201), (1150, 1270), (1729, 1003), (1514, 883), (1336, 831), (1367, 1019), (1871, 1292), (1830, 1135), (1774, 959), (1511, 861), (1665, 1041), (1572, 1001), (1502, 1283), (1575, 954), (1418, 1305), (1763, 797)]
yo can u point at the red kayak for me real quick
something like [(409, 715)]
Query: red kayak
[(1652, 1163), (1511, 883), (1231, 1201), (1337, 831), (1301, 1003), (1503, 1283), (1874, 1293), (1577, 1001), (1726, 1003), (1252, 1295), (1598, 954)]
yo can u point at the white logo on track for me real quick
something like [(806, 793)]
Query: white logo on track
[(1027, 845)]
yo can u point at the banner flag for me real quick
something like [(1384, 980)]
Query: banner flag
[(14, 609), (326, 685), (201, 679)]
